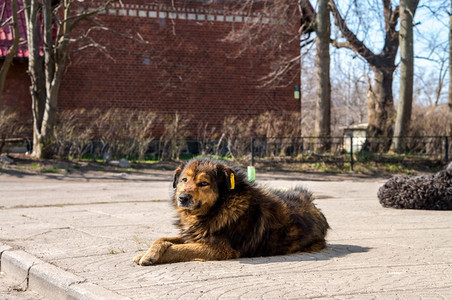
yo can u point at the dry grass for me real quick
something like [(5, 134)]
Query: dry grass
[(9, 126)]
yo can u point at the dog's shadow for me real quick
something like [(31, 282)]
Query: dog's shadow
[(331, 251)]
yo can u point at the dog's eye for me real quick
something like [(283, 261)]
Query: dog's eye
[(203, 183), (184, 180)]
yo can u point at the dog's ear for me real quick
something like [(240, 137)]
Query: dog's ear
[(228, 181), (177, 174)]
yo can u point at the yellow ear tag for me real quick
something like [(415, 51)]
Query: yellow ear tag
[(231, 177)]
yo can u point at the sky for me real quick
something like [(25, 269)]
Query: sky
[(430, 41)]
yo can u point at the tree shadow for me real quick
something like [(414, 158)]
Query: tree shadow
[(116, 175), (331, 251), (15, 173)]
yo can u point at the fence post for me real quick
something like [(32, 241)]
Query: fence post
[(351, 153), (446, 148), (252, 151)]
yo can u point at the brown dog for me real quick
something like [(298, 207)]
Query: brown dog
[(222, 216)]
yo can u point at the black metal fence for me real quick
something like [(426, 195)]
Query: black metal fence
[(341, 150)]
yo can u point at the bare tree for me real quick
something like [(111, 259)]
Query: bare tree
[(54, 21), (380, 98), (14, 24), (322, 68), (407, 11)]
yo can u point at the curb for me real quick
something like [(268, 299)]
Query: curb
[(29, 272)]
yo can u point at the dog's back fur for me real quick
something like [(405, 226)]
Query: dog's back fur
[(247, 220)]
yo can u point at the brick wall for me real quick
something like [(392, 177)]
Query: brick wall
[(16, 93), (182, 65)]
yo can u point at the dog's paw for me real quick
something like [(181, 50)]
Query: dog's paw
[(137, 258), (153, 255), (148, 259)]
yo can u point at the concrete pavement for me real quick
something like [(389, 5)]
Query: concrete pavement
[(74, 237)]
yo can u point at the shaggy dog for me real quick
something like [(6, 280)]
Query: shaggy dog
[(221, 215), (418, 192)]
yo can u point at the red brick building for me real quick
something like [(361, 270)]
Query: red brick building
[(180, 65), (16, 93)]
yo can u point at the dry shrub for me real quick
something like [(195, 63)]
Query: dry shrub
[(278, 124), (121, 132), (430, 121), (173, 139), (238, 133), (142, 131), (124, 132), (279, 130), (73, 134), (113, 132), (207, 138), (428, 126), (9, 126)]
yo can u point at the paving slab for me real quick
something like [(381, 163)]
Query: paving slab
[(8, 291), (90, 227)]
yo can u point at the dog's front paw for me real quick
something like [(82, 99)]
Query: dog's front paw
[(153, 255), (137, 258)]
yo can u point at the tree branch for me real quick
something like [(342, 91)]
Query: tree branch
[(391, 18), (353, 42), (91, 12), (338, 44), (387, 13), (391, 44)]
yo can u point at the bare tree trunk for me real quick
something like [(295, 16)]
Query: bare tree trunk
[(54, 60), (322, 68), (35, 71), (12, 50), (450, 72), (380, 104), (407, 11)]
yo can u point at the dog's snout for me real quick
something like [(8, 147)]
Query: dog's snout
[(184, 198)]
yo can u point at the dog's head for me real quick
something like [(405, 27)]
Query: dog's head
[(200, 183)]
